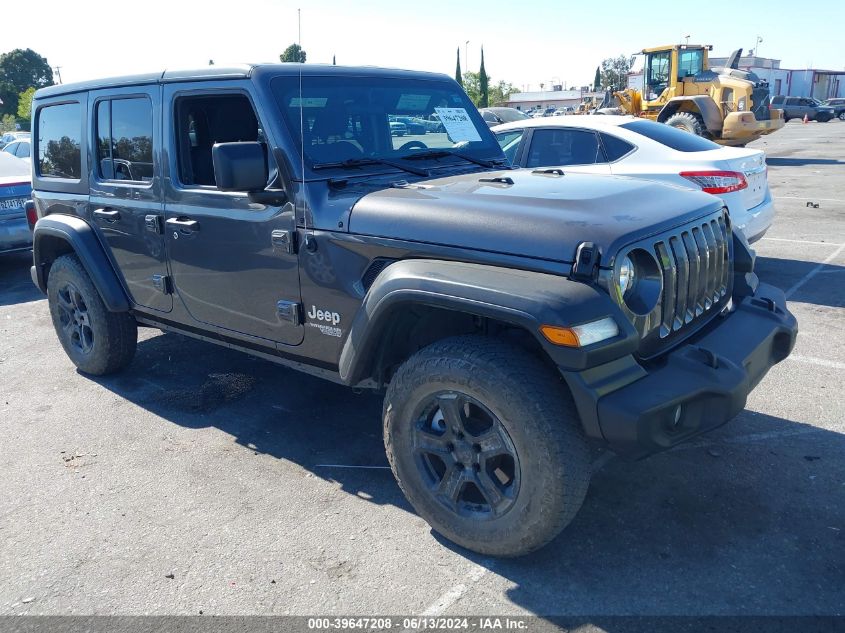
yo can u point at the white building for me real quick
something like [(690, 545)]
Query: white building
[(549, 99)]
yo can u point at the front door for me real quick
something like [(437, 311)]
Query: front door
[(125, 204), (230, 258)]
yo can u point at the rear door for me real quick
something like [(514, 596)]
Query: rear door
[(576, 149), (233, 261), (126, 203)]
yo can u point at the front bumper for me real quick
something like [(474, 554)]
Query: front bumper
[(15, 235), (744, 127), (633, 407)]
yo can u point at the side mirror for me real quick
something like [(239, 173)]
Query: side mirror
[(240, 166)]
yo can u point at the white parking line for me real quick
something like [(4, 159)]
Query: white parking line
[(783, 239), (455, 593), (808, 199), (814, 272), (816, 361)]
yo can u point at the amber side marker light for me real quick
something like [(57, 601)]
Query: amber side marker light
[(581, 335)]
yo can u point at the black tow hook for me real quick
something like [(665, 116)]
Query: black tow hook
[(710, 359)]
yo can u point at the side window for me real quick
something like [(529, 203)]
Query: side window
[(125, 139), (792, 101), (614, 147), (23, 150), (203, 121), (509, 142), (12, 148), (59, 141), (550, 148)]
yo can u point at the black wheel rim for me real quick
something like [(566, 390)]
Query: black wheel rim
[(465, 456), (74, 318)]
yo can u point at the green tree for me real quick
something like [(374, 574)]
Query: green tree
[(458, 76), (498, 92), (25, 105), (483, 84), (21, 69), (293, 53), (614, 72), (597, 80), (501, 92), (472, 86), (7, 123)]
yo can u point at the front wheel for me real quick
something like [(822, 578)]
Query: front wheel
[(485, 443), (842, 116), (98, 342)]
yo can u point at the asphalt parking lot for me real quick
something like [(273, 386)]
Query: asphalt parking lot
[(202, 480)]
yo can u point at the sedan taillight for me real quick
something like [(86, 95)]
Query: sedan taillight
[(717, 181)]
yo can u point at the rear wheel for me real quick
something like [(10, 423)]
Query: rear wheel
[(688, 122), (98, 342), (484, 441)]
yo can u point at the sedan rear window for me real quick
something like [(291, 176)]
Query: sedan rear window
[(671, 137)]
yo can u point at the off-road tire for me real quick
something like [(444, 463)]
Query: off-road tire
[(688, 122), (111, 337), (533, 405)]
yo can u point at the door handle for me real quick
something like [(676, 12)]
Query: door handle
[(109, 215), (185, 225)]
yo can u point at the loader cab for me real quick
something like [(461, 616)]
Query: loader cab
[(673, 71)]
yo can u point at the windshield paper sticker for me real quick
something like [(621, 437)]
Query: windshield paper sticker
[(308, 102), (458, 124), (413, 103)]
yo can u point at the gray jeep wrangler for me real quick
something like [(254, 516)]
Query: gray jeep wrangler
[(510, 316)]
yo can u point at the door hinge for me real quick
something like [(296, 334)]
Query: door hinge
[(283, 241), (153, 223), (162, 284), (289, 311)]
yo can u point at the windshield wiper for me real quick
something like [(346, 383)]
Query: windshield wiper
[(350, 163), (443, 153)]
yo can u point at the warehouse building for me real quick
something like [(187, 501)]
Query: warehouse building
[(808, 82)]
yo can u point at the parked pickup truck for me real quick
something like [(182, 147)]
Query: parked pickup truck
[(509, 316)]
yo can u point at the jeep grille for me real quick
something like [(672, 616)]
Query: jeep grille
[(696, 265)]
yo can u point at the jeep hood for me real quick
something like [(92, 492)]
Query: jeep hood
[(540, 215)]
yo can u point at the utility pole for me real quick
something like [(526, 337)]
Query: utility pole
[(59, 73), (466, 54)]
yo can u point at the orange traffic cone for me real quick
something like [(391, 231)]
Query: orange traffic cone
[(806, 118)]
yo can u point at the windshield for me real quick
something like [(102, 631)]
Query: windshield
[(670, 136), (357, 119)]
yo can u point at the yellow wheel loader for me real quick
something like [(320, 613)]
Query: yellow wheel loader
[(728, 105)]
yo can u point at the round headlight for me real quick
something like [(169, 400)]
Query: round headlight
[(626, 275)]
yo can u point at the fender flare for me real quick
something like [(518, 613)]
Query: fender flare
[(524, 298), (81, 239), (706, 107)]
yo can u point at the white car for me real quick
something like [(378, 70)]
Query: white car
[(19, 148), (630, 146)]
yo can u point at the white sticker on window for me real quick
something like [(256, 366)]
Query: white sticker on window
[(308, 102), (459, 126), (414, 103)]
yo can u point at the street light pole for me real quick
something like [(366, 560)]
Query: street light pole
[(466, 54)]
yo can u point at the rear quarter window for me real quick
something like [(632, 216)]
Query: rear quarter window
[(614, 147), (59, 141), (671, 137)]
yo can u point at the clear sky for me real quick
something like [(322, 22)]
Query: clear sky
[(524, 42)]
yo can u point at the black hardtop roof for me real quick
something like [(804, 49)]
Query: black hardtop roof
[(243, 71)]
